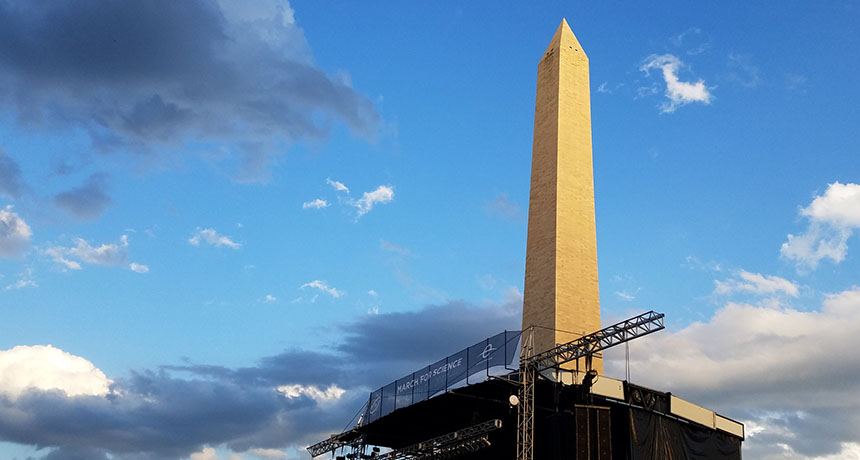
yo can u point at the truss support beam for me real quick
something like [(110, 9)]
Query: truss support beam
[(531, 365), (449, 445), (608, 337), (335, 442), (525, 408)]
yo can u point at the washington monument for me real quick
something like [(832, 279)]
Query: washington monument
[(561, 296)]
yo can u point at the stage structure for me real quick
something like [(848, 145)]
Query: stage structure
[(541, 393)]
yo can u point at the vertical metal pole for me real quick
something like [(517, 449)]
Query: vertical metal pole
[(525, 412)]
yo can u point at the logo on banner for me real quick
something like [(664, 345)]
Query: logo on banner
[(488, 350), (374, 405)]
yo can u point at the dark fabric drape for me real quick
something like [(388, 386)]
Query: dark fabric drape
[(656, 437)]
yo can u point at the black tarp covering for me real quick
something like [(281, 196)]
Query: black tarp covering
[(657, 437)]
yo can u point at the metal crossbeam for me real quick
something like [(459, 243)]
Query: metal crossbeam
[(336, 441), (448, 445), (584, 347), (590, 344)]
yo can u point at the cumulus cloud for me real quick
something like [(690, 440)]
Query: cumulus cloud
[(43, 367), (319, 203), (88, 201), (138, 268), (149, 77), (833, 218), (333, 392), (107, 254), (211, 237), (322, 286), (790, 371), (755, 283), (11, 183), (269, 454), (161, 415), (337, 185), (207, 453), (678, 92), (382, 194), (14, 234), (286, 400)]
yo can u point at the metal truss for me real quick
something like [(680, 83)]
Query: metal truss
[(449, 445), (525, 408), (336, 441), (588, 345), (584, 347)]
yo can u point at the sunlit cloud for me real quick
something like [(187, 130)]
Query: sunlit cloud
[(318, 203), (211, 237), (833, 218), (14, 234), (106, 254), (755, 283), (323, 287), (678, 93)]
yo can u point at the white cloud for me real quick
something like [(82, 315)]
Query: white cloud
[(43, 367), (315, 204), (839, 206), (382, 194), (333, 392), (20, 284), (210, 236), (768, 364), (323, 287), (138, 268), (678, 92), (111, 255), (693, 263), (207, 453), (269, 454), (372, 293), (755, 283), (25, 280), (270, 298), (833, 218), (14, 234), (625, 296), (337, 185)]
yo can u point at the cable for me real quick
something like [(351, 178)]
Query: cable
[(349, 424)]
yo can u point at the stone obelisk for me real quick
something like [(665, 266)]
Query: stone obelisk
[(561, 296)]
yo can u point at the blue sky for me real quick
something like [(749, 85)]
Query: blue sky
[(220, 200)]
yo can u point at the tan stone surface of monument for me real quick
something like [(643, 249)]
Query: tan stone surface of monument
[(561, 296)]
